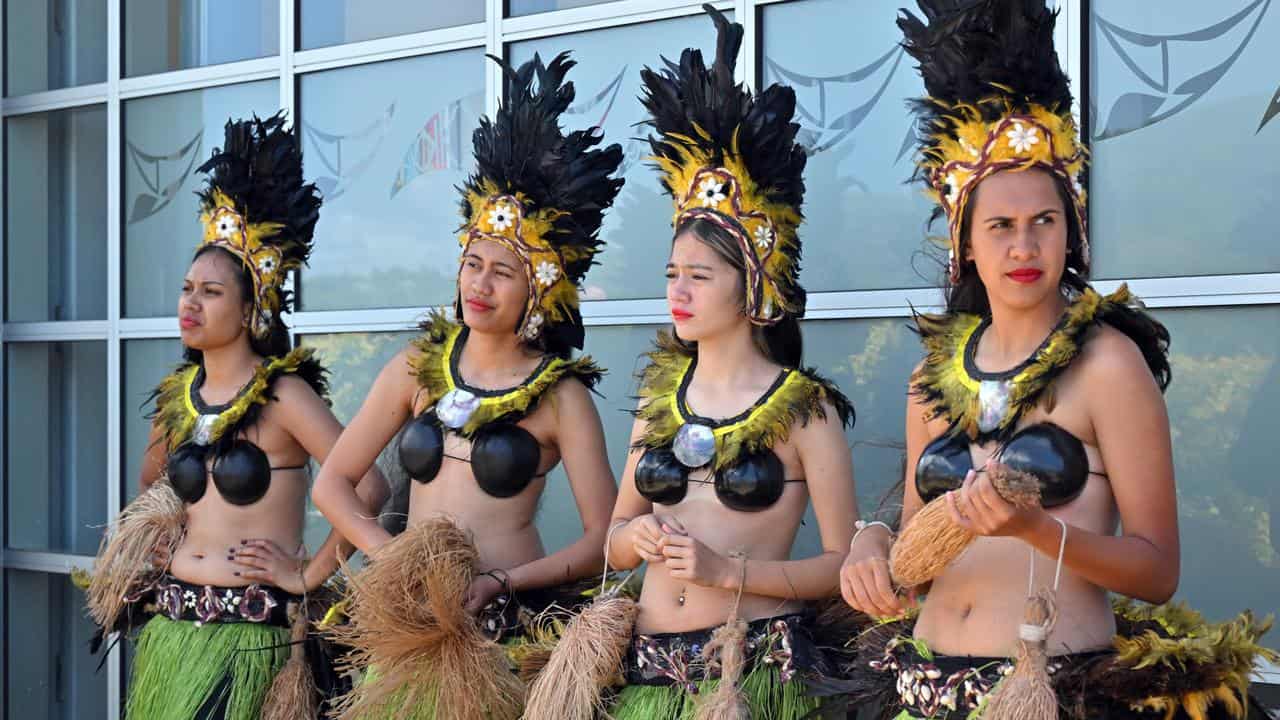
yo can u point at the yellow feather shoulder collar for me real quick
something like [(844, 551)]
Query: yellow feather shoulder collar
[(179, 410), (987, 406), (436, 368), (797, 396)]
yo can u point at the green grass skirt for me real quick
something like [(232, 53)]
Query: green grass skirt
[(765, 693), (183, 671)]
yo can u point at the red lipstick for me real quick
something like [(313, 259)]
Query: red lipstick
[(1025, 275)]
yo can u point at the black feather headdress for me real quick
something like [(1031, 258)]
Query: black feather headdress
[(730, 157), (542, 195), (997, 100), (255, 205)]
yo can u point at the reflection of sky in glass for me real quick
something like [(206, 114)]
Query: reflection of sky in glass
[(1223, 403), (166, 138), (864, 224), (1177, 187), (55, 678), (55, 410), (56, 164), (165, 35), (637, 231), (146, 362), (49, 50), (388, 156), (515, 8), (330, 22)]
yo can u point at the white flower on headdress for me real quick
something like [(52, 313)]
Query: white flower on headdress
[(1022, 138), (1075, 183), (267, 265), (533, 326), (712, 192), (953, 189), (228, 226), (764, 237), (547, 273), (501, 217)]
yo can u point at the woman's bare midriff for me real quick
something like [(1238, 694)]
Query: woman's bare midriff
[(975, 606), (764, 535), (214, 526), (502, 529)]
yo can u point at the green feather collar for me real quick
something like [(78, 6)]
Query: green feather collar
[(987, 406), (178, 410), (436, 369), (797, 396)]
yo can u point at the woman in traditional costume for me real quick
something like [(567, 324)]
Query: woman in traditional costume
[(1040, 474), (493, 401), (210, 556), (732, 436)]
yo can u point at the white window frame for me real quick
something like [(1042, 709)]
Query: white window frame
[(494, 34)]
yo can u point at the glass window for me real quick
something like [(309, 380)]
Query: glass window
[(332, 22), (862, 218), (516, 8), (56, 215), (52, 44), (166, 139), (56, 445), (618, 349), (1223, 403), (388, 158), (146, 363), (354, 361), (162, 35), (1182, 113), (50, 675), (637, 230)]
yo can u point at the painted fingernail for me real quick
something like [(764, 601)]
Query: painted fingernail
[(237, 574), (242, 542)]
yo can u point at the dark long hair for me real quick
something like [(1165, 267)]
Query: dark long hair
[(969, 293), (781, 342), (277, 342)]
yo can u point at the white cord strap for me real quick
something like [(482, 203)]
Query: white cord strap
[(862, 525), (1040, 633)]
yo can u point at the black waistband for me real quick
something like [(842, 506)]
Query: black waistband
[(180, 600), (677, 658)]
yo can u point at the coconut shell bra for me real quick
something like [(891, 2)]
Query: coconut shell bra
[(748, 476), (205, 440), (984, 407), (504, 456)]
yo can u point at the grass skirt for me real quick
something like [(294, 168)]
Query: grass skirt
[(765, 692), (185, 671), (1166, 663)]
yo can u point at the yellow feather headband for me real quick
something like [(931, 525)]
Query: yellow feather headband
[(726, 195), (226, 228), (967, 149), (501, 218)]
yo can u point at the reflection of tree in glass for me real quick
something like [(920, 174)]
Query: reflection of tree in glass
[(1223, 507), (389, 287), (354, 360), (870, 361)]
